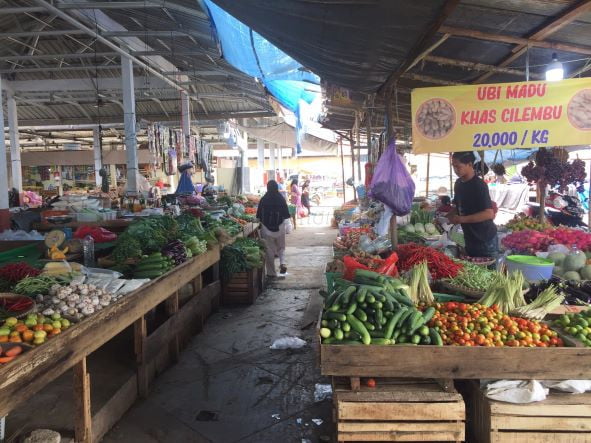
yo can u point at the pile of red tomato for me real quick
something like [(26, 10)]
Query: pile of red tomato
[(461, 324)]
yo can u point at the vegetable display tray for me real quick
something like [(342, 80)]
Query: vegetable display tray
[(462, 290)]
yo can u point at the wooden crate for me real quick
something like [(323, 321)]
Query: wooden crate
[(398, 410), (242, 288), (561, 418)]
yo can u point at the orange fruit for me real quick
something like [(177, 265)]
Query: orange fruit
[(3, 338), (38, 328), (55, 331), (47, 327), (27, 336), (16, 339), (21, 327)]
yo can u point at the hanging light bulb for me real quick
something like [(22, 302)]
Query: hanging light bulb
[(555, 71)]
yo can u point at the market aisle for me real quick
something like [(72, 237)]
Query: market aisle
[(229, 386)]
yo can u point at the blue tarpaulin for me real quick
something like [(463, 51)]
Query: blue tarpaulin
[(248, 51), (507, 155)]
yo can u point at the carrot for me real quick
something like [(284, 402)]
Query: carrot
[(6, 359), (13, 352)]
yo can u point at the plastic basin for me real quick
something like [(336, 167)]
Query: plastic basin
[(533, 268)]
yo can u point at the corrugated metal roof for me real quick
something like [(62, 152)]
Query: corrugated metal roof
[(203, 61)]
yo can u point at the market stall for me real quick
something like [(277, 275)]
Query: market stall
[(160, 280), (419, 306)]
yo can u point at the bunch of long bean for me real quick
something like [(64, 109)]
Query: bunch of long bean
[(474, 277), (506, 292)]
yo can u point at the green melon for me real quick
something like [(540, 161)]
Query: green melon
[(557, 258), (572, 275), (586, 272), (574, 261)]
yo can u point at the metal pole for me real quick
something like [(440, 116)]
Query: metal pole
[(451, 184), (98, 164), (428, 170), (186, 120), (15, 149), (129, 121), (352, 146), (342, 168), (358, 142), (4, 212), (393, 228)]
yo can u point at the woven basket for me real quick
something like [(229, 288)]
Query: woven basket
[(21, 314), (462, 290)]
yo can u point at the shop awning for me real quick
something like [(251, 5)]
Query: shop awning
[(283, 134)]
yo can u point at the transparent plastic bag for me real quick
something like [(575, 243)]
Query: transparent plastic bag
[(391, 183)]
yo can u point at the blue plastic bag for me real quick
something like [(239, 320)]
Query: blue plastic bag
[(391, 183)]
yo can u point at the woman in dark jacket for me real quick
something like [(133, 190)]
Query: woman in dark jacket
[(272, 212)]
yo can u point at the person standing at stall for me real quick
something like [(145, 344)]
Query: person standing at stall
[(306, 196), (473, 208), (296, 198), (272, 213)]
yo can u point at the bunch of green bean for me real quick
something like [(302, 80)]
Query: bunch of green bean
[(474, 277)]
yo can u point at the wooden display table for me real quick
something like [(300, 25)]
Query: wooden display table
[(32, 371), (455, 362), (118, 225)]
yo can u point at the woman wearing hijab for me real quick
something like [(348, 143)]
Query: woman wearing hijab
[(272, 212)]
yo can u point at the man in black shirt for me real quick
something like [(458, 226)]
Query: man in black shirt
[(473, 208)]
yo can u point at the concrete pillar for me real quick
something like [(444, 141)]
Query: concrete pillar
[(186, 121), (280, 159), (4, 212), (243, 145), (129, 123), (15, 149), (98, 163), (260, 154), (272, 148)]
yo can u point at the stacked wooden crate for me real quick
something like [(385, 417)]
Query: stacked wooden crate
[(398, 410), (561, 418)]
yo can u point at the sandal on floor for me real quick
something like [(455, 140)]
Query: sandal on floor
[(283, 269)]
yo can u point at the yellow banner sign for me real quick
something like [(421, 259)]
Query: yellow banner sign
[(501, 116)]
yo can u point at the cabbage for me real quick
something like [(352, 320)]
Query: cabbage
[(430, 228), (419, 228), (409, 228)]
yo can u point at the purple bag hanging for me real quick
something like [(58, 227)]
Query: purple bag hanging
[(391, 183)]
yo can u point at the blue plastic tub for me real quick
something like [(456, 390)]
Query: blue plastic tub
[(533, 268)]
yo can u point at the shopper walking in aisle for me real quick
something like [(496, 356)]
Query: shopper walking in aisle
[(296, 198), (273, 213), (473, 208), (306, 196)]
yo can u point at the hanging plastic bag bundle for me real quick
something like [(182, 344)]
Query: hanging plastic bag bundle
[(391, 183)]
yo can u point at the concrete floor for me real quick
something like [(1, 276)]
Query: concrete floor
[(229, 386)]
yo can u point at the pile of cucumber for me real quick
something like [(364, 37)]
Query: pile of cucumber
[(152, 266), (374, 309)]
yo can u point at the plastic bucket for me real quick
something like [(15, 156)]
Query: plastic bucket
[(533, 268)]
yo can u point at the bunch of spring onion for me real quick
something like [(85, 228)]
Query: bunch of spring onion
[(546, 302), (506, 291), (420, 291)]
